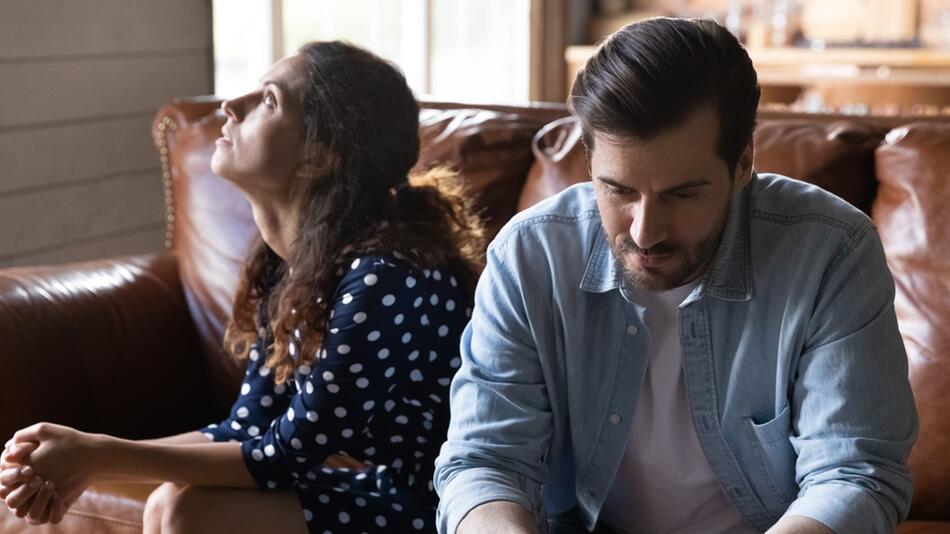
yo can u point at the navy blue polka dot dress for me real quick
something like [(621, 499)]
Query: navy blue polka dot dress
[(378, 392)]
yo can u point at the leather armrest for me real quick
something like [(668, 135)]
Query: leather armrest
[(104, 346)]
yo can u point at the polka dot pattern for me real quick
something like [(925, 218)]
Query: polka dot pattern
[(375, 392)]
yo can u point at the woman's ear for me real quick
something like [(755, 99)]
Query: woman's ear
[(316, 160)]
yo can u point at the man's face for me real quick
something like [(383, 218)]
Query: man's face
[(664, 202)]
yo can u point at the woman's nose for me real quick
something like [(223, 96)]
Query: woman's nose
[(234, 107)]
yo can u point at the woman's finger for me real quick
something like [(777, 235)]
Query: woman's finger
[(5, 490), (19, 497), (38, 509), (15, 476), (12, 476), (30, 433), (18, 451), (57, 509)]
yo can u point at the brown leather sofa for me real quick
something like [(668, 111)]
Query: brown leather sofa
[(131, 346)]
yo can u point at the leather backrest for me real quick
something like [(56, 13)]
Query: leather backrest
[(211, 225), (560, 162), (913, 167), (491, 150), (837, 156), (211, 229)]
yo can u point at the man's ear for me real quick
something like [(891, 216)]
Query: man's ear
[(743, 172)]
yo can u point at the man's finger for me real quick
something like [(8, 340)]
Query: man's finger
[(38, 509)]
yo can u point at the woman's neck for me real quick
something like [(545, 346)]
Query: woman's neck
[(277, 220)]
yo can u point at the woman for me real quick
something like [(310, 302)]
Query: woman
[(348, 315)]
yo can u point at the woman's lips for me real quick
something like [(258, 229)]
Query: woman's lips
[(222, 141)]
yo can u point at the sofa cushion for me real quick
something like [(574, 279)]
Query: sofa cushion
[(560, 162), (837, 156), (914, 223), (491, 150), (102, 509)]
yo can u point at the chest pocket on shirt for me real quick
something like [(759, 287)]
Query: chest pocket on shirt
[(775, 455)]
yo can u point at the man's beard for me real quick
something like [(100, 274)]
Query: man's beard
[(696, 261)]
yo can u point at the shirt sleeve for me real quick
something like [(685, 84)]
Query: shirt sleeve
[(501, 422), (259, 402), (853, 448), (340, 391)]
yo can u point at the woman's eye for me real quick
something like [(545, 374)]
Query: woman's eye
[(269, 100)]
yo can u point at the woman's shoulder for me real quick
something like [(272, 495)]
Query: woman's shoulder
[(374, 261), (387, 270)]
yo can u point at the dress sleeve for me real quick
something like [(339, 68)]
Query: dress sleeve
[(351, 377), (259, 402)]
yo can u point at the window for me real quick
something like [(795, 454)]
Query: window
[(475, 50)]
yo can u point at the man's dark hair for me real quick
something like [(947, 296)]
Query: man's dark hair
[(650, 75)]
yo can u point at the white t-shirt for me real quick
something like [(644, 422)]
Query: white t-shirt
[(664, 484)]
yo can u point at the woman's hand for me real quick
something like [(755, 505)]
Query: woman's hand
[(10, 477), (336, 461), (23, 492), (64, 458)]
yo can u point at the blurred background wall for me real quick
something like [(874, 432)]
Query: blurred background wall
[(80, 82)]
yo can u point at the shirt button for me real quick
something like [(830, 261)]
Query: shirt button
[(614, 419), (632, 329)]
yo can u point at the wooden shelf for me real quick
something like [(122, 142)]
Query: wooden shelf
[(871, 75), (916, 58)]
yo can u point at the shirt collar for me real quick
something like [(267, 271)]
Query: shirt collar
[(729, 276)]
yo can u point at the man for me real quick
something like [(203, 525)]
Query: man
[(681, 345)]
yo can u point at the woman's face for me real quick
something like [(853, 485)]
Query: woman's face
[(260, 147)]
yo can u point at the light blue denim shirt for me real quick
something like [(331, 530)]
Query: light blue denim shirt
[(793, 365)]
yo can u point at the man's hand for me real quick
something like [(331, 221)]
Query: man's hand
[(798, 524), (498, 517)]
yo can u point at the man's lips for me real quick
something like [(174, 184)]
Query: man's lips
[(652, 260)]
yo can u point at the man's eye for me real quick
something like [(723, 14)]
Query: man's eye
[(685, 195), (616, 190)]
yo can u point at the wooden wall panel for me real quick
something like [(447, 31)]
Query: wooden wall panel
[(57, 28), (39, 157), (130, 241), (55, 217), (55, 91), (80, 82)]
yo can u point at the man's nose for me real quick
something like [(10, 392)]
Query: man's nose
[(648, 227)]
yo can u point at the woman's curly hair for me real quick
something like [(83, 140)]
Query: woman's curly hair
[(359, 111)]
